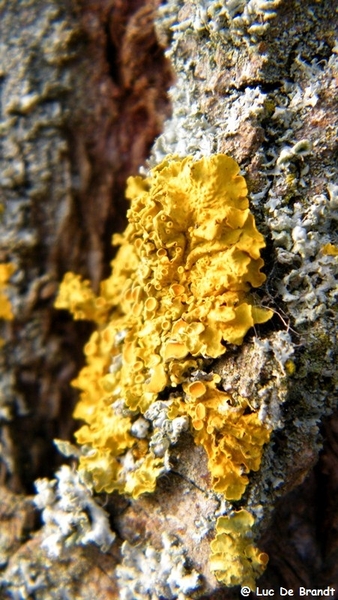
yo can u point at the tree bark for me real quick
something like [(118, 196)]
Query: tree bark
[(83, 97)]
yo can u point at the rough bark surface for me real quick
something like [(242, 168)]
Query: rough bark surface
[(83, 96)]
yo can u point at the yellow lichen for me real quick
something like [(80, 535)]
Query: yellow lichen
[(234, 558), (78, 297), (290, 367), (178, 294), (232, 439), (330, 250), (6, 271), (178, 290)]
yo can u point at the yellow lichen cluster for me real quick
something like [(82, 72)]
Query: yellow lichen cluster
[(6, 271), (232, 439), (178, 293), (234, 558), (77, 296), (330, 250)]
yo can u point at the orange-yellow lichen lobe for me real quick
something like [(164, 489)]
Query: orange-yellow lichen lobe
[(77, 296), (6, 272), (232, 438), (234, 558), (330, 250)]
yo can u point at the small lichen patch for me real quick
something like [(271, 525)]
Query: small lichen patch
[(70, 514), (234, 558), (330, 250), (232, 439), (77, 296), (6, 313), (6, 271), (148, 574)]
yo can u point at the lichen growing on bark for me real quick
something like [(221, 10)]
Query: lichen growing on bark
[(255, 80), (254, 97), (179, 289), (177, 295), (70, 514), (6, 271), (234, 558)]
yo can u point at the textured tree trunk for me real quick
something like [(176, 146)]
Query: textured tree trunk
[(83, 95)]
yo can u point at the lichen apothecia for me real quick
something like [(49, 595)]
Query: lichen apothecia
[(179, 293)]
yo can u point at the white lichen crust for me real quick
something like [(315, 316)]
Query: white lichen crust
[(70, 514), (149, 574)]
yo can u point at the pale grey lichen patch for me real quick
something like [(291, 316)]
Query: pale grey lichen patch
[(178, 129), (140, 428), (70, 514), (244, 18), (300, 231), (247, 104), (149, 574), (219, 23), (186, 110), (235, 19), (165, 431), (258, 372), (32, 581)]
